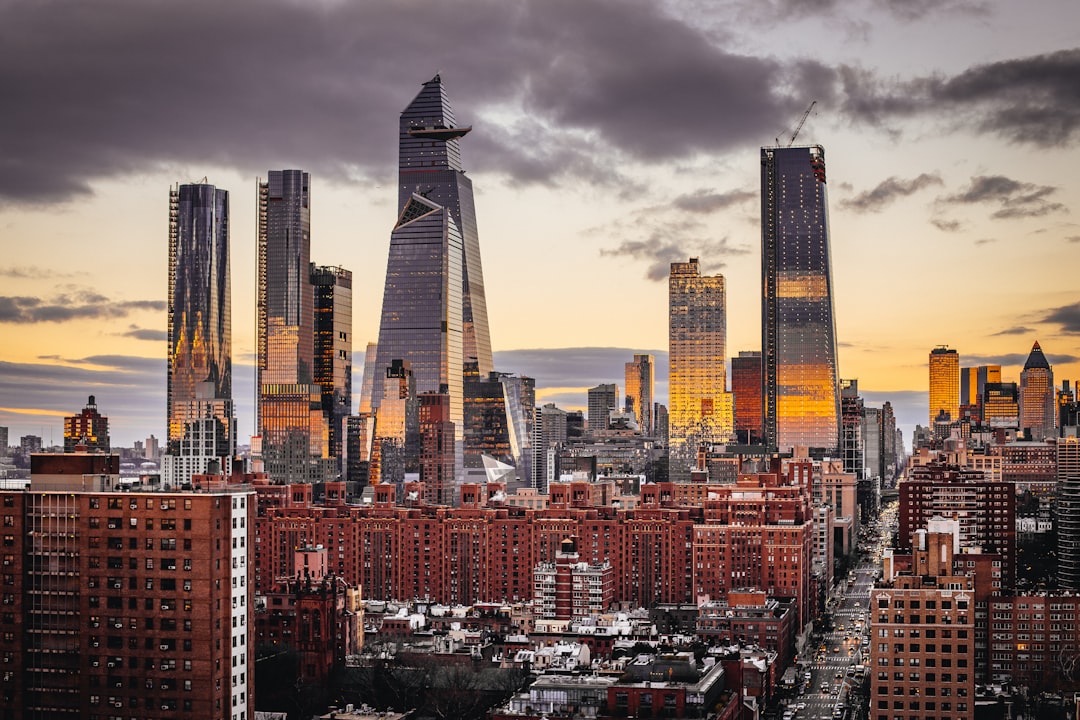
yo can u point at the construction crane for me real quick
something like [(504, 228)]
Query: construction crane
[(801, 123)]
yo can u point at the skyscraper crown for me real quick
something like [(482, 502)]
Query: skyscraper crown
[(1036, 359)]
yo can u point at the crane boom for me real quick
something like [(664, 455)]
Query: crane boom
[(801, 122)]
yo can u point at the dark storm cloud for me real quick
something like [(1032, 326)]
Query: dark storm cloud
[(1017, 330), (136, 86), (1068, 317), (581, 367), (75, 305), (1033, 100), (704, 201), (887, 191)]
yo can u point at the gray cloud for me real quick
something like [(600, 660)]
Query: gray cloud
[(888, 191), (75, 305), (1068, 317), (1033, 100), (557, 64), (986, 241), (704, 201), (1014, 359), (668, 245), (1016, 199), (146, 334), (1073, 239), (946, 225), (1017, 330)]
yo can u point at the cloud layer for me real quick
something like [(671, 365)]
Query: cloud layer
[(560, 90)]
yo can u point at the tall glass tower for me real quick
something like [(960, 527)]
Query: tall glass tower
[(639, 391), (701, 411), (1038, 405), (434, 312), (200, 316), (289, 414), (944, 383), (801, 406)]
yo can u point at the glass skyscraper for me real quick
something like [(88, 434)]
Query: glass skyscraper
[(639, 391), (944, 383), (434, 312), (200, 314), (333, 347), (1038, 405), (801, 406), (701, 411), (289, 414)]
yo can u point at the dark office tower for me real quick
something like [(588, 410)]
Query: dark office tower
[(639, 391), (851, 423), (89, 429), (367, 384), (746, 388), (700, 406), (798, 333), (288, 407), (1037, 401), (499, 415), (333, 348), (200, 314), (434, 311)]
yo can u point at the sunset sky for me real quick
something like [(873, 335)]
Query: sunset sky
[(609, 139)]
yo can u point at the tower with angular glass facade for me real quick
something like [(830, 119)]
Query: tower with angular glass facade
[(288, 408), (639, 391), (199, 322), (434, 312), (701, 410), (800, 400)]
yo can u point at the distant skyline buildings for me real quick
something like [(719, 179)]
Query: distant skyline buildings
[(699, 407), (801, 406), (199, 373), (1038, 402)]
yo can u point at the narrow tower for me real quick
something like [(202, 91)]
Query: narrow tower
[(801, 406)]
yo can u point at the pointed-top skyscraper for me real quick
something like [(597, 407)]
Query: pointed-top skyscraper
[(798, 331), (434, 312), (1038, 406)]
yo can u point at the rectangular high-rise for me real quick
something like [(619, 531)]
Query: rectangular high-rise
[(944, 365), (801, 406), (200, 316), (288, 412), (700, 407), (333, 348), (639, 391), (746, 388)]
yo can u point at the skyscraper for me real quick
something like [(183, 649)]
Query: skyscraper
[(798, 334), (1067, 517), (700, 407), (944, 366), (746, 388), (1038, 406), (602, 400), (200, 315), (434, 311), (288, 412), (333, 348), (639, 391)]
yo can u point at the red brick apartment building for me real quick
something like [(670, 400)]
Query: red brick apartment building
[(119, 603), (755, 533)]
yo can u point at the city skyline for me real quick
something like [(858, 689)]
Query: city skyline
[(597, 167)]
